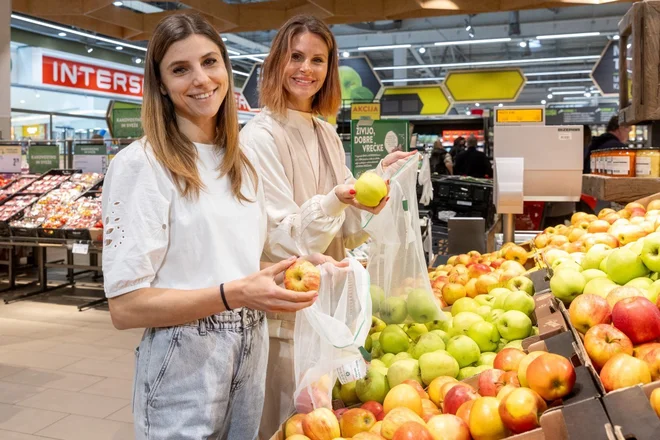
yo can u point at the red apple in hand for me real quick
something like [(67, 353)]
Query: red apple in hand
[(653, 359), (456, 397), (638, 318), (412, 431), (603, 341), (302, 276), (521, 410), (490, 382), (551, 376), (508, 359), (587, 311), (623, 371)]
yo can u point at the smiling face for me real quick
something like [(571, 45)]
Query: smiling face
[(194, 76), (306, 70)]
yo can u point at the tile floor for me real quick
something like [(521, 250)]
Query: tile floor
[(64, 374)]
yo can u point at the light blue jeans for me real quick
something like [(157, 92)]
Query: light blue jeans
[(203, 380)]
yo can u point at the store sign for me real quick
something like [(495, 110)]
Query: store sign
[(73, 74), (606, 71), (10, 159), (580, 115), (485, 85), (37, 131), (368, 111), (414, 101), (127, 122), (373, 140), (42, 158), (90, 158), (519, 115)]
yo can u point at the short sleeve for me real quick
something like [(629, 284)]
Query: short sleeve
[(136, 210)]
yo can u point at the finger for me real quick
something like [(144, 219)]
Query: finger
[(280, 267), (343, 263), (293, 296), (287, 307)]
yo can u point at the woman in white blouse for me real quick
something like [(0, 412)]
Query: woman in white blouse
[(309, 192), (185, 227)]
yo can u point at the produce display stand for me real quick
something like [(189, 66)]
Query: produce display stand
[(619, 189)]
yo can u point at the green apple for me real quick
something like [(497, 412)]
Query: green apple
[(642, 283), (444, 335), (376, 350), (654, 276), (487, 358), (565, 263), (349, 80), (567, 284), (603, 264), (514, 324), (422, 306), (379, 365), (393, 339), (348, 394), (500, 299), (369, 342), (599, 286), (595, 256), (520, 301), (514, 344), (638, 246), (377, 325), (335, 391), (464, 305), (440, 324), (485, 300), (578, 257), (481, 368), (485, 334), (535, 331), (651, 253), (393, 310), (436, 364), (415, 331), (464, 350), (495, 315), (501, 345), (590, 274), (463, 321), (466, 372), (653, 292), (387, 359), (521, 283), (400, 357), (403, 370), (624, 265), (428, 343), (484, 311), (377, 297), (373, 387), (499, 291)]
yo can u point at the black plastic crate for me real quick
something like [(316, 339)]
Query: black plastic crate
[(23, 232), (51, 233), (475, 191)]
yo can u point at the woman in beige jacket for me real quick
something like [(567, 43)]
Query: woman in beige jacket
[(310, 200)]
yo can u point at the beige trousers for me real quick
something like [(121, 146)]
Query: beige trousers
[(280, 380)]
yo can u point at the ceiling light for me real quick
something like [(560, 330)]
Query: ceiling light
[(471, 34), (485, 41), (549, 95), (390, 46), (500, 105), (476, 104), (587, 94), (615, 37), (37, 95), (62, 34), (412, 79), (543, 101), (346, 54), (561, 72), (570, 92), (90, 49), (118, 3), (566, 88), (522, 44), (119, 48), (560, 81), (422, 49), (629, 46), (493, 63), (138, 60), (238, 72), (577, 35)]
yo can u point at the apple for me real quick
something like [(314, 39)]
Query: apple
[(321, 424), (377, 297), (485, 300), (500, 300), (373, 387), (302, 276), (505, 391), (348, 394), (623, 370), (605, 211), (415, 331), (490, 382), (393, 339), (418, 387), (393, 310), (403, 395), (520, 301), (624, 265), (370, 189), (521, 410), (484, 311), (566, 263), (559, 240), (401, 356), (458, 277), (576, 234), (487, 358), (516, 343), (641, 351), (437, 364), (599, 286), (427, 343), (638, 318), (444, 335), (463, 321), (603, 341), (464, 411), (484, 282), (471, 288), (642, 283), (356, 420), (456, 397), (387, 359), (653, 292), (440, 324), (396, 417), (495, 315), (513, 266), (511, 378), (412, 431), (452, 292), (551, 255), (514, 324), (477, 269), (567, 284), (516, 253), (485, 334), (422, 306), (448, 427), (294, 425), (464, 350), (595, 256), (652, 358), (651, 253), (592, 274), (466, 372), (524, 364), (435, 389), (429, 410), (485, 420), (521, 283), (619, 293), (509, 359), (551, 376), (629, 234), (373, 406), (497, 262), (655, 401), (402, 370), (589, 310), (541, 240), (464, 305), (598, 226), (366, 435), (377, 325)]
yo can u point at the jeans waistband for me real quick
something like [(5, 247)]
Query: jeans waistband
[(231, 320)]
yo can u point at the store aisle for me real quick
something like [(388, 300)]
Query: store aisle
[(64, 374)]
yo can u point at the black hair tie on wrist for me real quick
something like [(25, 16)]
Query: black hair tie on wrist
[(224, 300)]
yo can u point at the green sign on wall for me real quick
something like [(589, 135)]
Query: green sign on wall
[(373, 140), (42, 158), (124, 119)]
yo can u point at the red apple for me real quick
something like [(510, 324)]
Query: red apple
[(655, 401), (638, 318), (521, 410), (395, 419), (587, 311), (456, 397), (373, 406), (302, 276), (511, 378), (429, 410), (356, 420), (617, 294), (457, 277), (641, 351), (603, 341), (551, 375), (653, 359), (294, 425), (496, 263), (380, 416), (412, 431), (448, 427), (484, 282), (321, 424), (623, 371), (418, 387), (475, 270), (490, 382), (524, 364), (508, 359), (464, 411), (452, 292)]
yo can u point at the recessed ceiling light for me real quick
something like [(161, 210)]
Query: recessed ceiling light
[(477, 104), (90, 49), (119, 48), (615, 37), (422, 50), (500, 105), (587, 94), (549, 95), (118, 3), (522, 44), (62, 34), (543, 101), (224, 38), (138, 60), (37, 96), (345, 54)]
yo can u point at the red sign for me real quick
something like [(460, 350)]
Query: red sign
[(76, 75), (242, 104)]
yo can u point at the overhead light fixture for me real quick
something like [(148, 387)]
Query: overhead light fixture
[(577, 35), (62, 34), (89, 49), (76, 32), (22, 101), (494, 63), (138, 60), (560, 81), (119, 48), (550, 89), (484, 41), (561, 72), (522, 44), (629, 46), (587, 94), (346, 54), (468, 25), (570, 92), (476, 104), (118, 3), (238, 72), (550, 96), (544, 102), (37, 95), (390, 46), (500, 105), (422, 50), (412, 79), (615, 37)]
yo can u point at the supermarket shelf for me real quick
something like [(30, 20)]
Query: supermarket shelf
[(619, 189)]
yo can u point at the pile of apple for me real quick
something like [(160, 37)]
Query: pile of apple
[(508, 399)]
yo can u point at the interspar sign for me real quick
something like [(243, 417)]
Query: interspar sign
[(77, 75)]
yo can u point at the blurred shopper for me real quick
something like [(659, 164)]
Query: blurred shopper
[(441, 162), (310, 198), (472, 162), (458, 148), (184, 232), (616, 136)]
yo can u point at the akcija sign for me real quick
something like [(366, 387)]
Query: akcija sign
[(77, 75)]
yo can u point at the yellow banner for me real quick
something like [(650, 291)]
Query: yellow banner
[(368, 110), (485, 85), (431, 99)]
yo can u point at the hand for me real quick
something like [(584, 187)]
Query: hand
[(395, 157), (260, 291), (318, 259), (346, 195)]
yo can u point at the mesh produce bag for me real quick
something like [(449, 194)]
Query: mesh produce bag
[(328, 335), (400, 286)]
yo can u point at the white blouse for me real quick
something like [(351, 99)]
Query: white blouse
[(155, 238)]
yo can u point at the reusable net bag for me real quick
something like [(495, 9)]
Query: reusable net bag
[(400, 287), (329, 334)]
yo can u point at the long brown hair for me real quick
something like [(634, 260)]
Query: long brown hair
[(171, 147), (272, 93)]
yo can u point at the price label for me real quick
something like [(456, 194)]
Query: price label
[(10, 159), (519, 115), (352, 371), (80, 248)]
